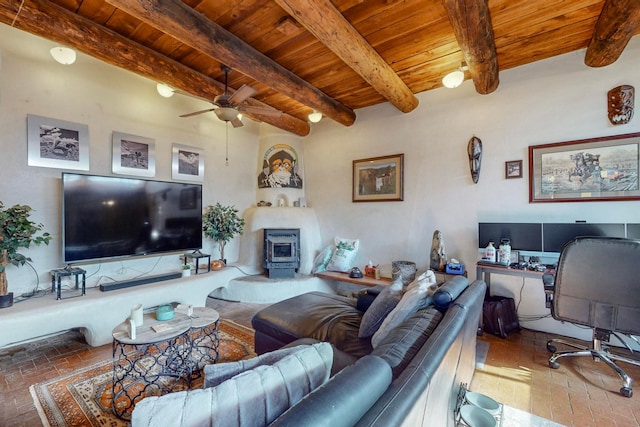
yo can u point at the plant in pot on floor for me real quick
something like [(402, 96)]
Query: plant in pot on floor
[(18, 231), (221, 224)]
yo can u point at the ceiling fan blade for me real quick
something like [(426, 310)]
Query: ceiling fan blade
[(237, 122), (241, 94), (195, 113), (261, 111)]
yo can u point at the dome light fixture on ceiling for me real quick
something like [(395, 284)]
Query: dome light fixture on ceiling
[(455, 78), (164, 90), (63, 55), (315, 117)]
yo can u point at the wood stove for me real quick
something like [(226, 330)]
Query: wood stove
[(281, 252)]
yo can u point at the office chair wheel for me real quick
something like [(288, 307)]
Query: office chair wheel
[(626, 391), (554, 365), (552, 348)]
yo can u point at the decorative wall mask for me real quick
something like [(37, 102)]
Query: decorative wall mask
[(474, 149), (620, 102), (280, 168)]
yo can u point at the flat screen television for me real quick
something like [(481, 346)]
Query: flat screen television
[(106, 217)]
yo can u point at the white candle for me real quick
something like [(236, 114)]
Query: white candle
[(136, 315)]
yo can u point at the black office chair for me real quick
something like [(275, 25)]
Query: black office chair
[(597, 284)]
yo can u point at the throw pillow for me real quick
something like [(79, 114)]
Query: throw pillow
[(320, 262), (449, 291), (417, 295), (254, 397), (218, 373), (386, 301), (343, 255)]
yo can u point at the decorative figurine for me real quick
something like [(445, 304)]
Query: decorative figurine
[(620, 102), (474, 149), (438, 252)]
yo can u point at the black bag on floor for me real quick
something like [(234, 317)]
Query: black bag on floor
[(499, 316)]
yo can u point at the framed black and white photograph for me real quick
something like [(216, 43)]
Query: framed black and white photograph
[(57, 144), (378, 179), (187, 163), (133, 155), (513, 169), (586, 170)]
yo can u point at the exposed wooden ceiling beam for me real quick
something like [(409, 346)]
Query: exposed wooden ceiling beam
[(193, 29), (617, 23), (471, 24), (328, 25), (72, 30)]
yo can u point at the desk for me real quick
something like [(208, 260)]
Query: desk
[(484, 272)]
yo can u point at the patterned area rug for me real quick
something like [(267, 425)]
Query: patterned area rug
[(83, 398)]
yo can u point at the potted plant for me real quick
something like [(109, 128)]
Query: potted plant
[(222, 223), (17, 232), (186, 270)]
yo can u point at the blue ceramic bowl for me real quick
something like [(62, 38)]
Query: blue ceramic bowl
[(164, 312)]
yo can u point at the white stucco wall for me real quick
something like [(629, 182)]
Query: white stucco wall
[(559, 99), (555, 100)]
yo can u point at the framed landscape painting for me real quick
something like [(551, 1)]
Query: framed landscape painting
[(57, 144), (378, 179), (133, 155), (596, 169), (187, 163)]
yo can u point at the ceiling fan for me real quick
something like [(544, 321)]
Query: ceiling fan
[(227, 107)]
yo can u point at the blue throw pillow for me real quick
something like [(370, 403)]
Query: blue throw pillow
[(449, 291)]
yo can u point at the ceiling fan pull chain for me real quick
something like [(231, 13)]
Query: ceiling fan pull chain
[(226, 160)]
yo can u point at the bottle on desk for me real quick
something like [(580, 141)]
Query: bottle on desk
[(504, 252), (490, 253)]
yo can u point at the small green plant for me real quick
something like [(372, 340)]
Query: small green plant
[(18, 231), (221, 224)]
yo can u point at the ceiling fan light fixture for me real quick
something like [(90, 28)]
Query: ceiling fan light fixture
[(63, 55), (315, 116), (226, 113), (164, 90)]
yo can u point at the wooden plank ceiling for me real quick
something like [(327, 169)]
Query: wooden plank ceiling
[(333, 56)]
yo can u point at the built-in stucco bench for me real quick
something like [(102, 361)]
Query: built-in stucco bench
[(97, 312)]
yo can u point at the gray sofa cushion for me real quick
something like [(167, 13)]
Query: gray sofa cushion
[(403, 342), (386, 301), (253, 398), (220, 372)]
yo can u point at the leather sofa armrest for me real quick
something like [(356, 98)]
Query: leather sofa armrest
[(344, 396)]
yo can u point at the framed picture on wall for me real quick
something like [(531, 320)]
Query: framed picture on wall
[(56, 143), (513, 169), (133, 155), (187, 163), (587, 170), (378, 179)]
